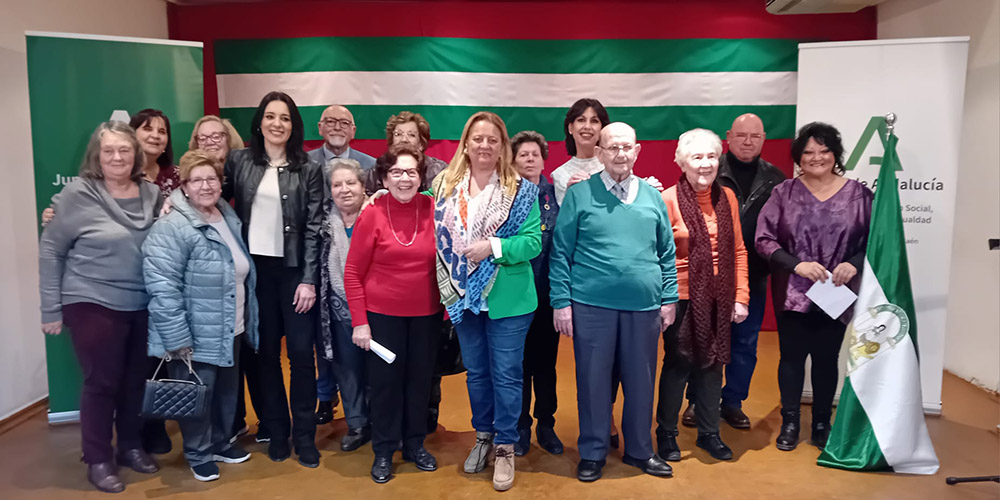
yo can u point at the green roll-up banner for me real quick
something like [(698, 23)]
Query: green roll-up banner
[(76, 82)]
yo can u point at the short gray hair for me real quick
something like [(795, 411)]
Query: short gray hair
[(688, 138), (91, 166), (346, 164)]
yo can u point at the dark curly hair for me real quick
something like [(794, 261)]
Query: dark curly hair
[(389, 159), (825, 135)]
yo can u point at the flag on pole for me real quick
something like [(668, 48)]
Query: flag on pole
[(880, 420)]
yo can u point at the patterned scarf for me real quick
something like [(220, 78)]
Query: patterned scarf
[(463, 284), (704, 335), (333, 255)]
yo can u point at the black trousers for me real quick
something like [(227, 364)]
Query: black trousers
[(249, 374), (399, 392), (705, 384), (541, 347), (276, 286), (818, 336)]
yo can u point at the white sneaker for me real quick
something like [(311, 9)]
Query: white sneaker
[(503, 467), (480, 453)]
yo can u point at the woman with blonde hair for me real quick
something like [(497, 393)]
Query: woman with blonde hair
[(216, 136), (488, 230)]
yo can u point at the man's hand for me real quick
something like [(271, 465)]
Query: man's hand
[(562, 320)]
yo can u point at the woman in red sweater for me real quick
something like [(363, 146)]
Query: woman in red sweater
[(393, 296)]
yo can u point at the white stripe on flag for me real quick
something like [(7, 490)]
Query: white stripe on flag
[(511, 89), (888, 388)]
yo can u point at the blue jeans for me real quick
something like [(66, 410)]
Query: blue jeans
[(744, 352), (326, 378), (493, 353)]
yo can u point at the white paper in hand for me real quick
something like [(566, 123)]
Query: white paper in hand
[(833, 300), (380, 350)]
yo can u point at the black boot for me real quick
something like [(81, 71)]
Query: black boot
[(666, 446), (324, 413), (820, 430), (788, 439)]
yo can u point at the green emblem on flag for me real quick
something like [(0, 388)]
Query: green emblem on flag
[(873, 332)]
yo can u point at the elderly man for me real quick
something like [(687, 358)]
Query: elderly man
[(614, 289), (337, 128), (751, 178)]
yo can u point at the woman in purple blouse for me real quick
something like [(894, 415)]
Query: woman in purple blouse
[(814, 227)]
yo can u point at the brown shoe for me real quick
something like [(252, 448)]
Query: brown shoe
[(503, 467), (138, 460), (735, 417), (104, 477), (688, 418)]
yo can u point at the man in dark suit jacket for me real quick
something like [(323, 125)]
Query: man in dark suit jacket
[(337, 128)]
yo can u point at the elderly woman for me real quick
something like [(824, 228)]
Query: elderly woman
[(336, 351), (202, 305), (412, 129), (712, 284), (541, 344), (90, 266), (583, 124), (391, 290), (278, 195), (488, 230), (813, 228), (215, 136)]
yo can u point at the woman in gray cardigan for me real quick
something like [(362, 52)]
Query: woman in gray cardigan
[(90, 266), (202, 306)]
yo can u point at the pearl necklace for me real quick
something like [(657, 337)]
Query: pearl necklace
[(416, 225)]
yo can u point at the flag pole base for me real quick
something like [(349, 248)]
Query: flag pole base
[(972, 479)]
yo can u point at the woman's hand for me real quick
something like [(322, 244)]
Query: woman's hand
[(47, 215), (371, 199), (53, 328), (362, 337), (668, 314), (479, 251), (653, 181), (812, 271), (182, 353), (165, 209), (740, 312), (577, 177), (843, 273), (305, 297), (562, 320)]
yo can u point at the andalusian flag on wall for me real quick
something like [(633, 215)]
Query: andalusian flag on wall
[(661, 87), (880, 419)]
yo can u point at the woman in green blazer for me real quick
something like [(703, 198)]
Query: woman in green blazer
[(488, 230)]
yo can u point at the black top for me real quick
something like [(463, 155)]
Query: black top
[(743, 173)]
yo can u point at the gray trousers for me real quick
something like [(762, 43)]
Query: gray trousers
[(206, 436), (349, 366), (600, 338)]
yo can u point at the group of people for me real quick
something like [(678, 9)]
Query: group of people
[(210, 263)]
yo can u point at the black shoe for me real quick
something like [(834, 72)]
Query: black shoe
[(263, 435), (666, 446), (382, 469), (308, 455), (687, 419), (138, 461), (820, 434), (735, 417), (155, 438), (423, 460), (788, 439), (523, 443), (548, 440), (278, 450), (324, 413), (654, 465), (589, 470), (104, 477), (432, 421), (713, 444), (613, 441), (232, 455), (356, 438)]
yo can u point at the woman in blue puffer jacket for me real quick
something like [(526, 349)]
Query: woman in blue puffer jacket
[(201, 283)]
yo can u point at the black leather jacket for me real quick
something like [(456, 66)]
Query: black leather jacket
[(301, 188), (767, 177)]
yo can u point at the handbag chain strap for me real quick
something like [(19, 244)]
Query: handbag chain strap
[(187, 360)]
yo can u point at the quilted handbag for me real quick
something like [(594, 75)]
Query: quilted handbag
[(170, 399)]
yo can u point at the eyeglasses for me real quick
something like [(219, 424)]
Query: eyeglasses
[(330, 122), (621, 148), (215, 137), (408, 135), (742, 137), (398, 173), (197, 183)]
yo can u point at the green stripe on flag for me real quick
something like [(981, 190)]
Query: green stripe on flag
[(295, 55), (852, 444), (651, 123)]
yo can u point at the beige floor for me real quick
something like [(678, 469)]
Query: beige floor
[(41, 462)]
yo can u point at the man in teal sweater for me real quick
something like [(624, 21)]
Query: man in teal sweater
[(614, 289)]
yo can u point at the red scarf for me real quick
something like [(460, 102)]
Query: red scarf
[(704, 336)]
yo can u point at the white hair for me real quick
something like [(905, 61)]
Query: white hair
[(689, 138)]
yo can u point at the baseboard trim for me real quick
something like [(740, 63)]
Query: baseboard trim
[(24, 414), (64, 417), (931, 409)]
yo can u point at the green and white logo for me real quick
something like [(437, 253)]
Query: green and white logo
[(874, 332)]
